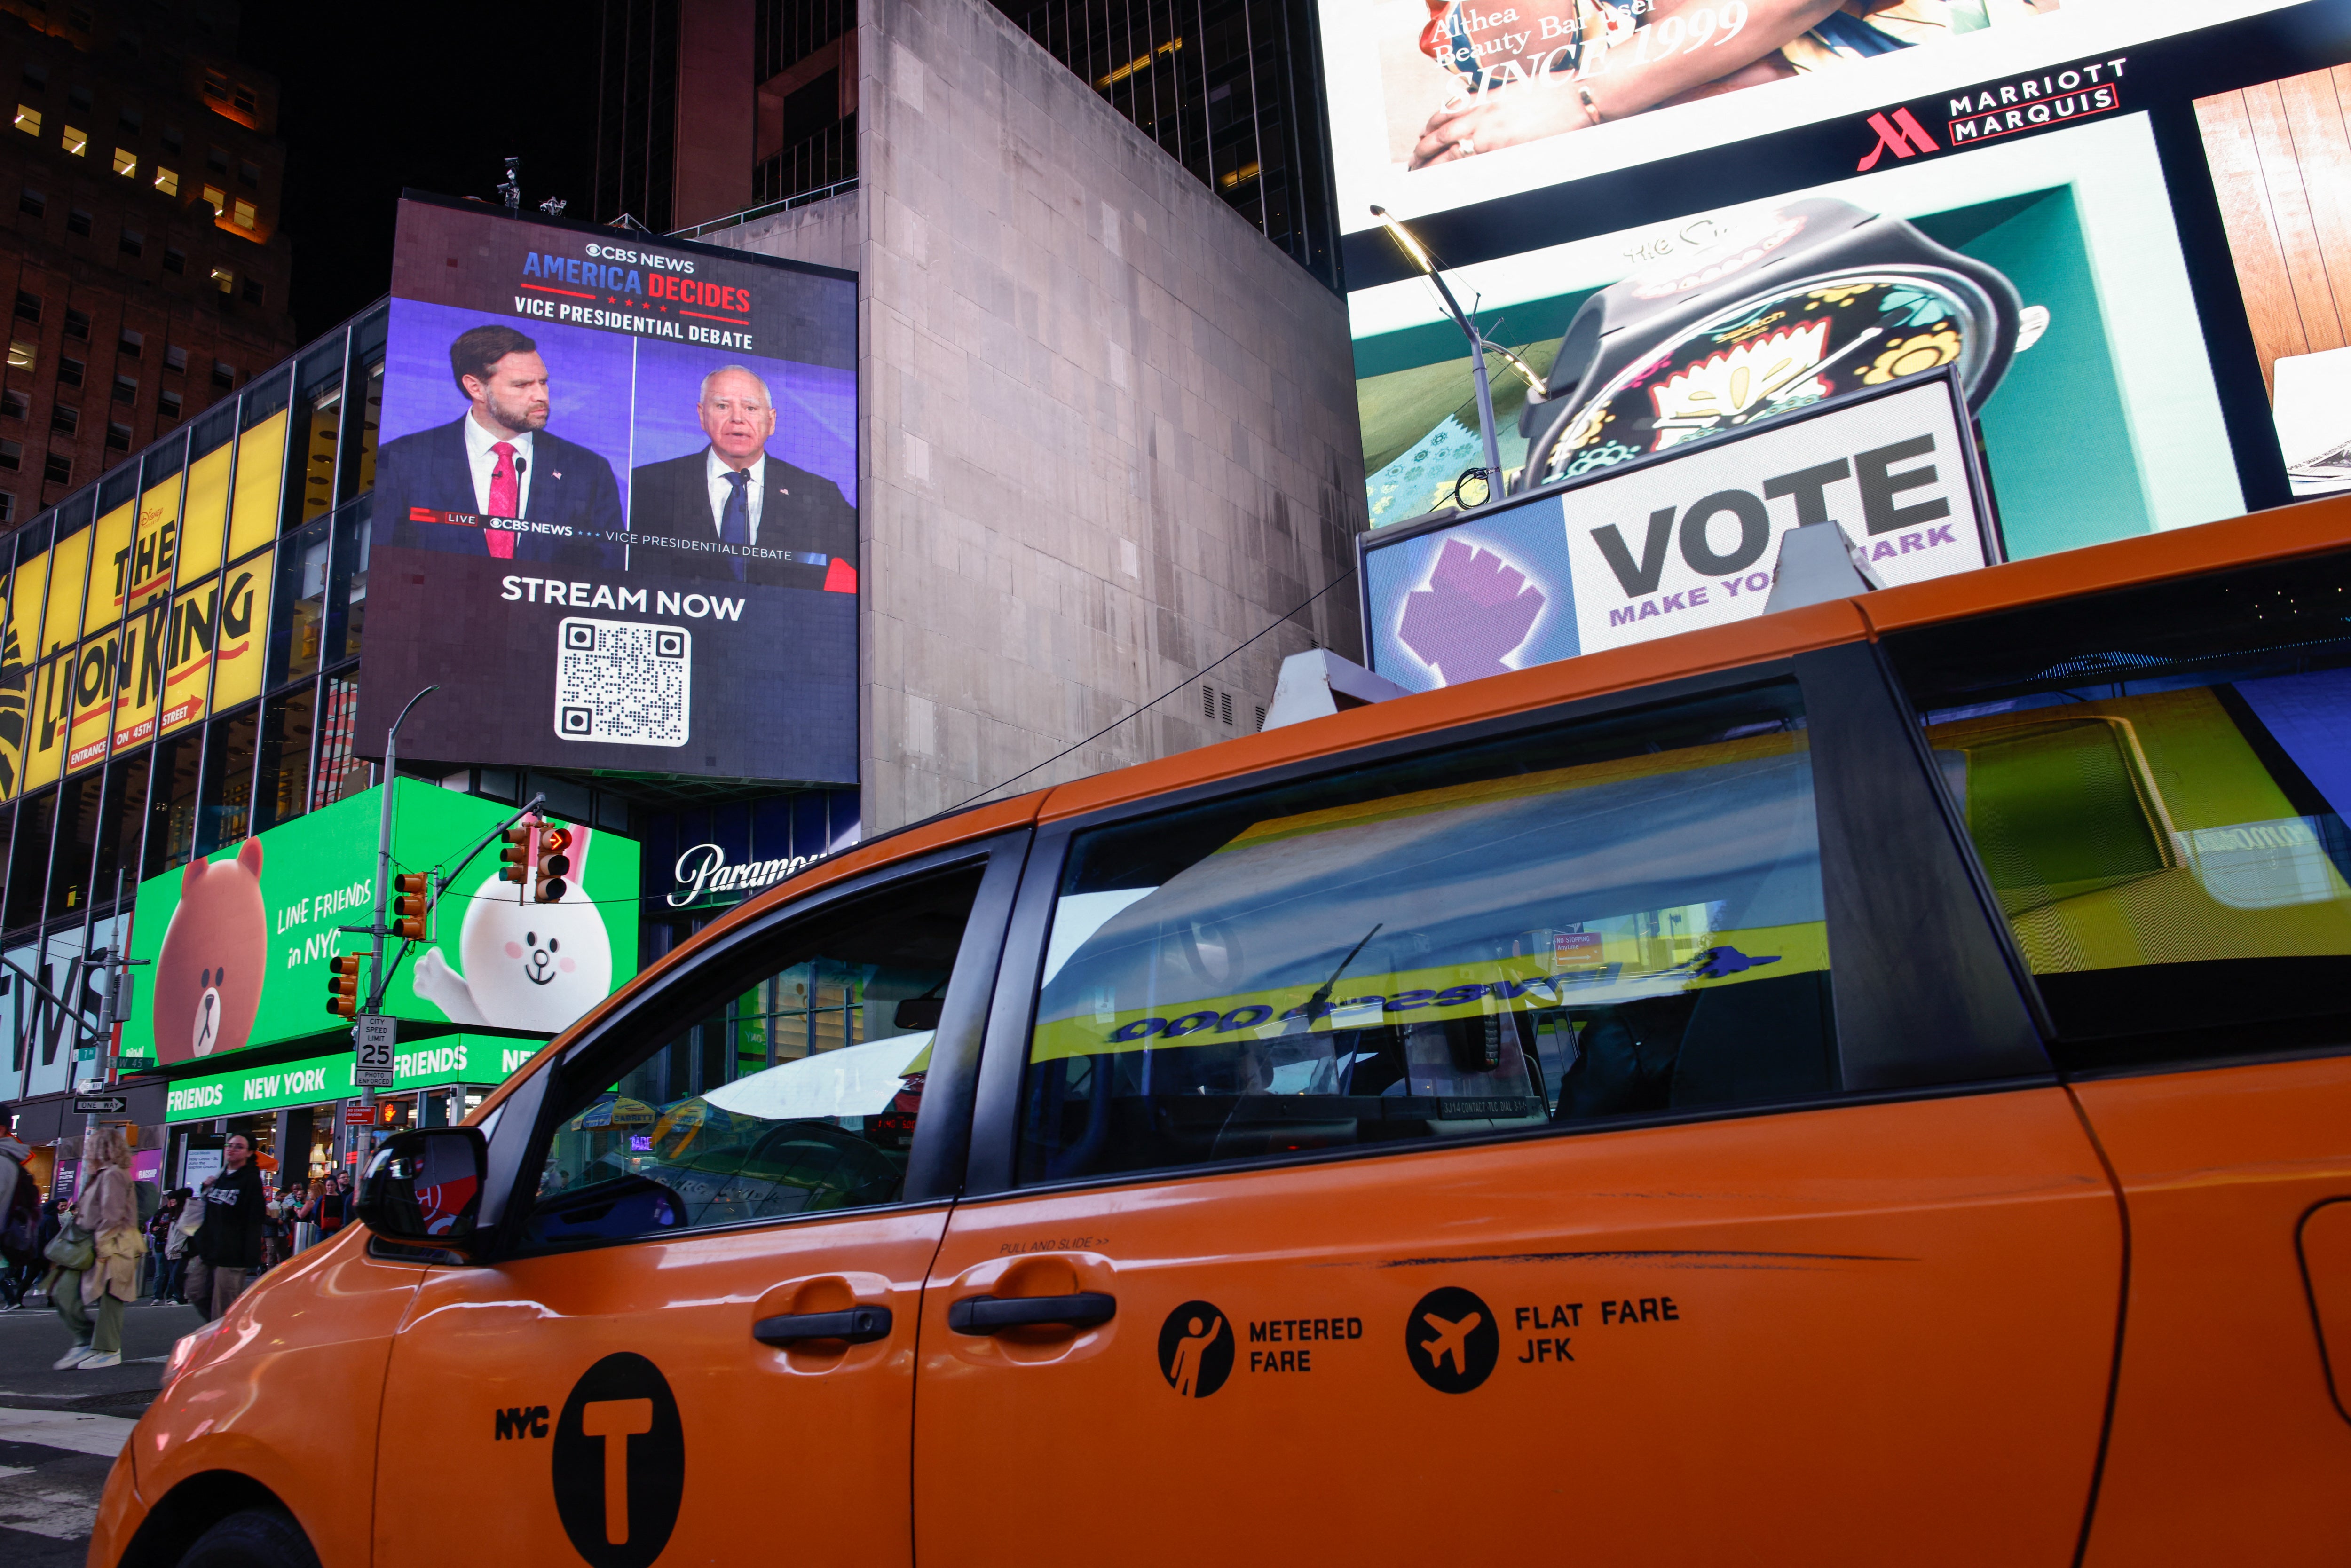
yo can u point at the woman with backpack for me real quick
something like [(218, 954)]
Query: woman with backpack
[(97, 1256), (20, 1218)]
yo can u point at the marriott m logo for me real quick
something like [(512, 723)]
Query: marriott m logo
[(1901, 135)]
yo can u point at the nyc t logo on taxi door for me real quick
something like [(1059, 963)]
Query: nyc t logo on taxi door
[(620, 1463)]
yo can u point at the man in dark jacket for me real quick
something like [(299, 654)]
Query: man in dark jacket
[(497, 460), (734, 491), (229, 1245)]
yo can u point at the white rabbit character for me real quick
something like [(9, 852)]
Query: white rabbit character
[(535, 966)]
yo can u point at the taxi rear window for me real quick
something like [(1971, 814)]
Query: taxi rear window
[(2154, 782), (1617, 918)]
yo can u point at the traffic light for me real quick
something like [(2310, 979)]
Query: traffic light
[(408, 907), (517, 854), (554, 863), (343, 985)]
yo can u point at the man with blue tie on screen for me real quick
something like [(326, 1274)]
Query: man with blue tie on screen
[(498, 460), (734, 491)]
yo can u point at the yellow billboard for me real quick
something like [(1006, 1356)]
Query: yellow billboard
[(244, 634), (95, 670), (147, 570), (188, 657), (52, 701), (206, 522), (68, 568), (139, 672), (110, 560), (260, 464)]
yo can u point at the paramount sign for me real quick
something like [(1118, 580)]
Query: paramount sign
[(702, 871)]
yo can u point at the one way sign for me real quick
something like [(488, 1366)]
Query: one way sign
[(100, 1105)]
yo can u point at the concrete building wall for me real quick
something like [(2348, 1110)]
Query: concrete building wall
[(1106, 426)]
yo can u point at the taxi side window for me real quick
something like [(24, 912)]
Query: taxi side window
[(1618, 918), (794, 1091), (2154, 782)]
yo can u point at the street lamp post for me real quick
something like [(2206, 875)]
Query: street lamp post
[(382, 925), (1415, 253)]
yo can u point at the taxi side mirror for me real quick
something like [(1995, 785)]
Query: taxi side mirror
[(425, 1187)]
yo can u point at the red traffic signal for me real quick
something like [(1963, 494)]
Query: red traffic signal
[(408, 905), (554, 863), (343, 985)]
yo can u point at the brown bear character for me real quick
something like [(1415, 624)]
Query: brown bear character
[(216, 951)]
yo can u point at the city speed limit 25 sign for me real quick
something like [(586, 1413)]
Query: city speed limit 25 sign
[(374, 1035)]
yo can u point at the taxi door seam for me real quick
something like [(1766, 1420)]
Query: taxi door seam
[(914, 1380), (2122, 1313)]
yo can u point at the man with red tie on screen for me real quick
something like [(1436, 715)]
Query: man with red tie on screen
[(499, 460)]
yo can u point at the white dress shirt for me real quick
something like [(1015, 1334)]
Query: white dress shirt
[(484, 461), (715, 472)]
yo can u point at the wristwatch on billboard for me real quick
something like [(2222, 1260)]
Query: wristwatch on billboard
[(1806, 300)]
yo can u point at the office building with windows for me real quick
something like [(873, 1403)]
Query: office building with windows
[(141, 260)]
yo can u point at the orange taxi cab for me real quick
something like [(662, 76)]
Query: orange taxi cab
[(1868, 1083)]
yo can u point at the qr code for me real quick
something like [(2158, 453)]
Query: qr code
[(622, 681)]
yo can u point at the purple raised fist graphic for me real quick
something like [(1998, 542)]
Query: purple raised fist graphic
[(1474, 611)]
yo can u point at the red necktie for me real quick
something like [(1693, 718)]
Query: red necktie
[(506, 500)]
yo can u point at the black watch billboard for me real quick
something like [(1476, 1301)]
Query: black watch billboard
[(2112, 225), (615, 503)]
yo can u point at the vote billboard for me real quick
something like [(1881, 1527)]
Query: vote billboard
[(237, 945), (2117, 221), (1687, 538), (615, 503)]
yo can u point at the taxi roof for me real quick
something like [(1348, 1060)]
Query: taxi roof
[(2309, 528)]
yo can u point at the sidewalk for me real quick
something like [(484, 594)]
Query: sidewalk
[(60, 1431)]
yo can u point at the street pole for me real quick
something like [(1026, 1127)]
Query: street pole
[(1417, 253), (381, 927), (109, 968)]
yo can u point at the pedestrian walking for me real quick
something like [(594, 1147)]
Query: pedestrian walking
[(228, 1241), (20, 1215), (159, 1254), (179, 1246), (104, 1240)]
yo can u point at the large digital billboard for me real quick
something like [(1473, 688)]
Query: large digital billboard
[(615, 503), (239, 943), (2115, 222)]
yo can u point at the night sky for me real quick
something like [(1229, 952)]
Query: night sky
[(375, 99)]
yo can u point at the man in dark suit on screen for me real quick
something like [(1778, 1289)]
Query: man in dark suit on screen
[(498, 460), (802, 532)]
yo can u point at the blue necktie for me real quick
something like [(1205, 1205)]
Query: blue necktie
[(735, 517)]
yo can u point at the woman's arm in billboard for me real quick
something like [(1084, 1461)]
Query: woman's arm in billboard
[(1668, 56)]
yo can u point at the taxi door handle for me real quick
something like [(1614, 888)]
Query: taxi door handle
[(858, 1325), (993, 1315)]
